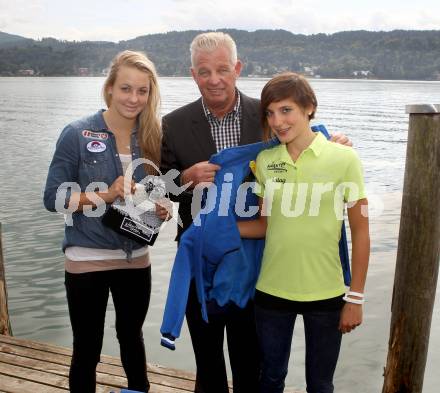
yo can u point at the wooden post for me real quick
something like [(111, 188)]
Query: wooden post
[(418, 253), (5, 323)]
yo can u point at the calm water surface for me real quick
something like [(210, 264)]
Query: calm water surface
[(34, 110)]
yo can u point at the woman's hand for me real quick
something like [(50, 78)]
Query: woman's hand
[(351, 317), (120, 188), (164, 209)]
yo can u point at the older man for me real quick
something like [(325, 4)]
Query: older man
[(223, 117)]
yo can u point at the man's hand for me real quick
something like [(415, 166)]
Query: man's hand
[(202, 172), (339, 137)]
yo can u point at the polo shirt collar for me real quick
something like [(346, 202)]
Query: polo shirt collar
[(317, 144), (316, 147)]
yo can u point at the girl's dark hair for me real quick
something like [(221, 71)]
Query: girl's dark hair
[(287, 85)]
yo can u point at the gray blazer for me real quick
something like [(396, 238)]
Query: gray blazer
[(187, 140)]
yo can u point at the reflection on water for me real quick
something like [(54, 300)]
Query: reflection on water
[(34, 110)]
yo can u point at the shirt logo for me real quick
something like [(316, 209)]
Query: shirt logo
[(277, 167), (96, 147), (95, 135)]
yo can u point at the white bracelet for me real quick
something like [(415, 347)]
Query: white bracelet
[(357, 294), (352, 300)]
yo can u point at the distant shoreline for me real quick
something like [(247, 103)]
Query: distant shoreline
[(241, 77), (378, 55)]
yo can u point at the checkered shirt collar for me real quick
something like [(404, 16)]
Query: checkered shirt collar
[(235, 109)]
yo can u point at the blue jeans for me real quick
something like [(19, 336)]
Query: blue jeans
[(323, 341)]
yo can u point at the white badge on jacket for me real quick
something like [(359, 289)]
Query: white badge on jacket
[(96, 146)]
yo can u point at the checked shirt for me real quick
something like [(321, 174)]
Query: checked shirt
[(225, 131)]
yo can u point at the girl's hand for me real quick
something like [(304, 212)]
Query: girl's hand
[(119, 189), (164, 209), (351, 317)]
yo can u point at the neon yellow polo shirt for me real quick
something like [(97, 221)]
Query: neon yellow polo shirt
[(305, 201)]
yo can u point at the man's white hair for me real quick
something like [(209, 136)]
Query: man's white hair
[(208, 42)]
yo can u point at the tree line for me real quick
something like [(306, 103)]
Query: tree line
[(398, 54)]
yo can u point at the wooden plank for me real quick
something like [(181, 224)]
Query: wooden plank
[(105, 359), (49, 358), (34, 354), (107, 374), (13, 385), (34, 364), (53, 358), (22, 342), (44, 378), (23, 383), (38, 371), (48, 380)]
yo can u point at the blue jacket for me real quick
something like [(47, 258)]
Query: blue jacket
[(224, 266), (85, 153)]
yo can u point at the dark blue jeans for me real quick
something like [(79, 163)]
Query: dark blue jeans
[(323, 341), (87, 296)]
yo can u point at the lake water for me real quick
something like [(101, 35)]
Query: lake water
[(34, 110)]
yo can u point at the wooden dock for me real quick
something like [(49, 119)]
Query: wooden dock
[(32, 367)]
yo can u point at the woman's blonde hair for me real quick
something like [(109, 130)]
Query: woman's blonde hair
[(149, 126)]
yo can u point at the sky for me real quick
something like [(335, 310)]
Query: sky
[(115, 20)]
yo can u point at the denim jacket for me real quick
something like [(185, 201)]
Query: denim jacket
[(86, 152)]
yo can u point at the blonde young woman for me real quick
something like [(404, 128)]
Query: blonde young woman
[(100, 148)]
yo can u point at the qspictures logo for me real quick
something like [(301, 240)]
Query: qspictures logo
[(293, 201)]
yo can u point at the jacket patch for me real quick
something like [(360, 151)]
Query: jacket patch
[(96, 146), (95, 135)]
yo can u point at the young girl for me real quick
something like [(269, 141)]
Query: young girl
[(303, 184), (100, 148)]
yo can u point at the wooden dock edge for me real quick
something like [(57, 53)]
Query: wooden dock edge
[(31, 367), (28, 366)]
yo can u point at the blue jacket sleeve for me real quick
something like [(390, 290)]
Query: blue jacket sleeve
[(178, 290)]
